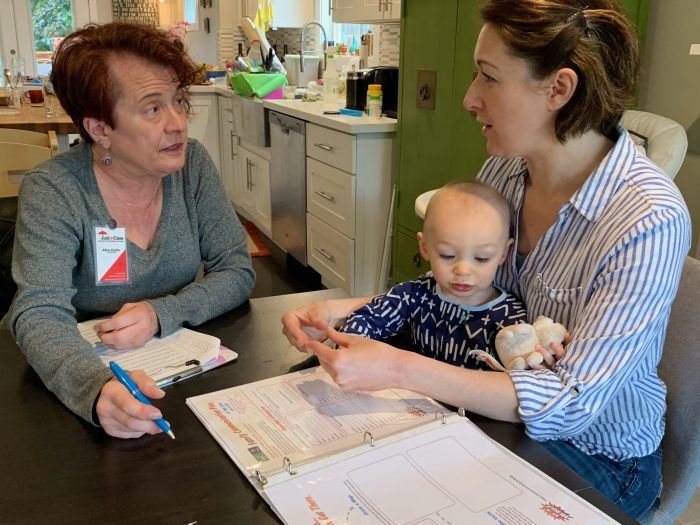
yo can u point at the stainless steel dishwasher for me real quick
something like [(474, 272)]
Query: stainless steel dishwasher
[(288, 183)]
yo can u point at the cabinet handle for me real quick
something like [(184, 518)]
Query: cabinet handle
[(252, 184), (247, 173), (325, 196), (323, 146), (386, 5), (380, 6), (232, 153), (325, 254)]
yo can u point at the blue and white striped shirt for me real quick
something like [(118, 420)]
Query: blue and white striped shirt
[(608, 269)]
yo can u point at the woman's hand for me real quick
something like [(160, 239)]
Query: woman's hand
[(360, 363), (311, 323), (130, 327), (123, 416), (553, 354), (306, 324)]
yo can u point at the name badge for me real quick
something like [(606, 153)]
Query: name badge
[(111, 259)]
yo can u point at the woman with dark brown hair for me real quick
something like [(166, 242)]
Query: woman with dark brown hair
[(600, 232), (119, 225)]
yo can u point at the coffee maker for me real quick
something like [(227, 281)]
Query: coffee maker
[(356, 88)]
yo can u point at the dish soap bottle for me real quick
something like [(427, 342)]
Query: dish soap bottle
[(330, 92), (341, 84)]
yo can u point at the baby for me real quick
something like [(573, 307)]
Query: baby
[(454, 308)]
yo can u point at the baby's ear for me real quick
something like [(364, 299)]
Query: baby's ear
[(505, 250), (421, 245)]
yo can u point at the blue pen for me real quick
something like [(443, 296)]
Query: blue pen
[(125, 380)]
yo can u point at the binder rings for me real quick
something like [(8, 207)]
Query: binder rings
[(320, 455)]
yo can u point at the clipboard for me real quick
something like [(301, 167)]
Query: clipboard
[(168, 360), (226, 355)]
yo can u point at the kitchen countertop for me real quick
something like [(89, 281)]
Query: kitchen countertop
[(216, 89), (313, 112)]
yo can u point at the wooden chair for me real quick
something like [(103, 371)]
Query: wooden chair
[(20, 151)]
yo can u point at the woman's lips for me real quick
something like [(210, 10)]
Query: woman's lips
[(174, 148), (485, 128), (461, 287)]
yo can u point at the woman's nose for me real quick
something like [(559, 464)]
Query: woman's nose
[(177, 120), (471, 100)]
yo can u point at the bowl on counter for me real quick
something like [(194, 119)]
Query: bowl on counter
[(215, 73)]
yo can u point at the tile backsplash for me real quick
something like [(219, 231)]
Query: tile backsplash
[(389, 45)]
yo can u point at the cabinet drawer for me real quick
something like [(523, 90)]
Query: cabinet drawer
[(332, 147), (330, 253), (330, 196)]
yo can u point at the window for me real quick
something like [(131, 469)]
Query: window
[(344, 33), (51, 21)]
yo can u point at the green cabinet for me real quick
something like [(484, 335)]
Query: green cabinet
[(437, 145), (443, 144)]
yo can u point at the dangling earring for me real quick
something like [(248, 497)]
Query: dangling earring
[(106, 158)]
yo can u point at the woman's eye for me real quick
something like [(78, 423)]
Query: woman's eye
[(482, 259), (488, 78), (446, 256)]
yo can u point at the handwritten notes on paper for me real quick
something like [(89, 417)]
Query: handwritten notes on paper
[(159, 357)]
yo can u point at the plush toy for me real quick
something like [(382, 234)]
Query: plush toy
[(515, 344)]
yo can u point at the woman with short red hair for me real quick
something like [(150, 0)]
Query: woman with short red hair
[(119, 225)]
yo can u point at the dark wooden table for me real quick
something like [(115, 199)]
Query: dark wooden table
[(57, 469)]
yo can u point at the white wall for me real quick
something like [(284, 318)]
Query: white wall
[(670, 86)]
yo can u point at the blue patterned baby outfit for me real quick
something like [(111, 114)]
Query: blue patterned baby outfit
[(440, 328)]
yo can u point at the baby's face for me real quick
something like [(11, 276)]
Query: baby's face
[(465, 240)]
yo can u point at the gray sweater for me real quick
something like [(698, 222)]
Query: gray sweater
[(53, 266)]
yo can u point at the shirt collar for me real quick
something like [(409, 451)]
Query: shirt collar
[(595, 193), (593, 196)]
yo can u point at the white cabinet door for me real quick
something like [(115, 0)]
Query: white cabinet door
[(248, 8), (293, 13), (255, 189), (246, 197), (351, 11), (393, 10), (260, 177), (204, 125), (228, 145)]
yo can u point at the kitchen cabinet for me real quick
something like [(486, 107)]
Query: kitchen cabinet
[(443, 144), (293, 13), (253, 189), (228, 144), (366, 11), (204, 124), (348, 195), (286, 13)]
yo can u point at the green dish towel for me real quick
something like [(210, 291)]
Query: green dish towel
[(258, 84)]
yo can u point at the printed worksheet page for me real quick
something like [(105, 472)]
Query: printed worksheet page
[(304, 415), (449, 474), (159, 357)]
